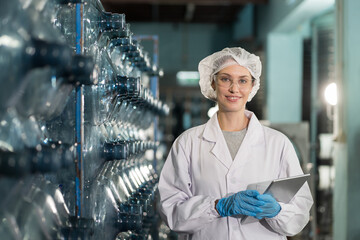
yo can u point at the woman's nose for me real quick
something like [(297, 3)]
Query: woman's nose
[(234, 87)]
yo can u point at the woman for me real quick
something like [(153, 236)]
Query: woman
[(203, 182)]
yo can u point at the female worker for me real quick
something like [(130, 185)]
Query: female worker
[(203, 182)]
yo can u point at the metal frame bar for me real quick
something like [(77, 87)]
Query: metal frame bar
[(79, 127)]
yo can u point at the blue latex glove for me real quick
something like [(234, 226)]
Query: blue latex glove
[(244, 202), (270, 209)]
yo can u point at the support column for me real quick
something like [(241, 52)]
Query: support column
[(347, 146), (284, 76)]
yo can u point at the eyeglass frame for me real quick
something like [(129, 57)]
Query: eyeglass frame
[(232, 82)]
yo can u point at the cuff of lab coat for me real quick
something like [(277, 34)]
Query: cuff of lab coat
[(213, 211), (284, 209), (285, 223), (284, 216)]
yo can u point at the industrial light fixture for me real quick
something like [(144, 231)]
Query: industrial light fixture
[(331, 94), (188, 78), (331, 98)]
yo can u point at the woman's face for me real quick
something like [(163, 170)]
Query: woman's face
[(233, 85)]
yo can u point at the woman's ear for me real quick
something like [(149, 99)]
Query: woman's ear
[(213, 85)]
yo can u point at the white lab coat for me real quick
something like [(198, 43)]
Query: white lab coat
[(199, 169)]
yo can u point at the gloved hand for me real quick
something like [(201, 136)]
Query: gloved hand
[(271, 207), (244, 202)]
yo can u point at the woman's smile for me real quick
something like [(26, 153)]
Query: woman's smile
[(233, 98)]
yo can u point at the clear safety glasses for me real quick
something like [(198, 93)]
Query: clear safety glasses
[(225, 81)]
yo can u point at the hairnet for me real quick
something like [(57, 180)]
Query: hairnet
[(222, 59)]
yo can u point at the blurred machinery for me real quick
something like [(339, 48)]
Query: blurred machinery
[(298, 133), (77, 124), (322, 176)]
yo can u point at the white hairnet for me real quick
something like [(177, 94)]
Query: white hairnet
[(222, 59)]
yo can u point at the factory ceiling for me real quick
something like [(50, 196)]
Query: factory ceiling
[(177, 11)]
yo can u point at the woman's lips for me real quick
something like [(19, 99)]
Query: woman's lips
[(232, 98)]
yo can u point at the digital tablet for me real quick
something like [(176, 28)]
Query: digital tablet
[(282, 189)]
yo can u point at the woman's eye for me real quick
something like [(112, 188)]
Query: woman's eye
[(224, 79), (242, 81)]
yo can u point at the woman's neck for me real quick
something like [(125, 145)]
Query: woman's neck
[(232, 121)]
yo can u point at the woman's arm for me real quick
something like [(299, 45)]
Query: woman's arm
[(293, 216), (182, 211)]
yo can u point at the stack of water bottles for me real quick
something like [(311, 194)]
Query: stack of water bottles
[(77, 124)]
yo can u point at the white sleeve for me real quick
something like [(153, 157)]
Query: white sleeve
[(182, 211), (294, 215)]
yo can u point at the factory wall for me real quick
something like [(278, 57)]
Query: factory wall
[(184, 45), (244, 27), (284, 75), (282, 25), (272, 14)]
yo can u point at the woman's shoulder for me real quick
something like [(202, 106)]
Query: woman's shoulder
[(192, 132), (274, 135), (190, 135), (276, 138)]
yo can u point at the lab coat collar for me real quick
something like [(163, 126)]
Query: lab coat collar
[(213, 133), (255, 134), (212, 128)]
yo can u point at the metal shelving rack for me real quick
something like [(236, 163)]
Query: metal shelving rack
[(79, 163)]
